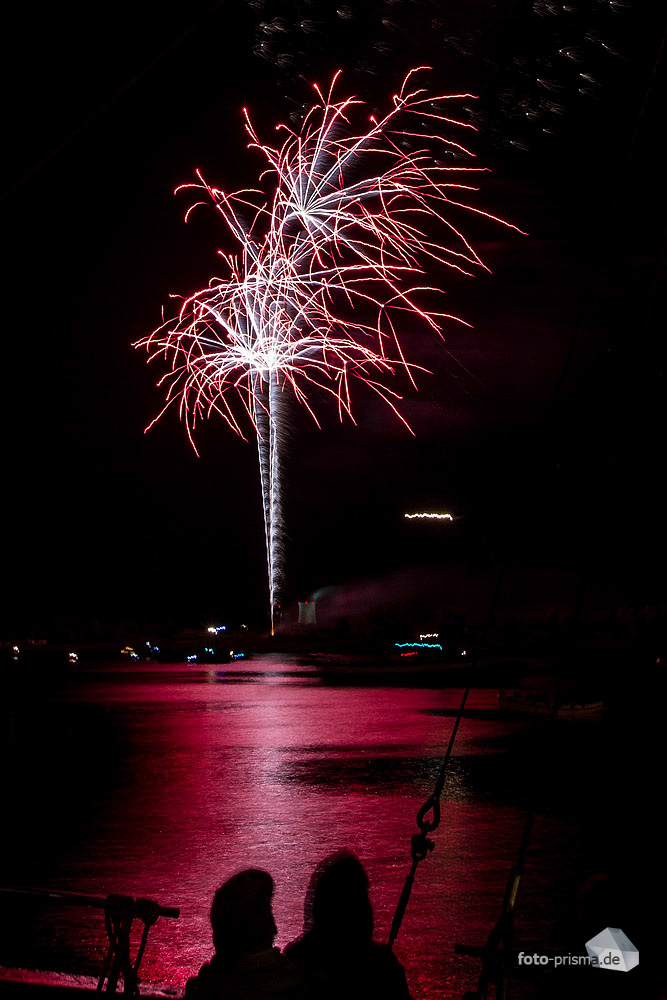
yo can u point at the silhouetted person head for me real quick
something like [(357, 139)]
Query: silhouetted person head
[(241, 914), (337, 902)]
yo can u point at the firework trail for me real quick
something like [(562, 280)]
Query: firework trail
[(328, 268)]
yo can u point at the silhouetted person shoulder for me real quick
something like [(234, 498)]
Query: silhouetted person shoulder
[(246, 966), (337, 942)]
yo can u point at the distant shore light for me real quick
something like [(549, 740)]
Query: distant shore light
[(434, 517), (419, 645)]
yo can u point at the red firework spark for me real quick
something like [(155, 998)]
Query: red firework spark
[(329, 264)]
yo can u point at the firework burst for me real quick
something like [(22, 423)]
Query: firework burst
[(329, 265)]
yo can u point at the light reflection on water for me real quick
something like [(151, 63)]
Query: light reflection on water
[(207, 770)]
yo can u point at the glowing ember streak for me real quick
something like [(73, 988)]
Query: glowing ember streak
[(327, 271), (434, 517)]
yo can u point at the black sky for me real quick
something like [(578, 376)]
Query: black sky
[(541, 427)]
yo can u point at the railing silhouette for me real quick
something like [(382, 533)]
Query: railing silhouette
[(120, 912)]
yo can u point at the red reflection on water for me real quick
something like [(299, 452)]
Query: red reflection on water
[(220, 776)]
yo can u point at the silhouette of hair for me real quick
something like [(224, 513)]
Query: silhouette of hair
[(241, 914), (337, 902)]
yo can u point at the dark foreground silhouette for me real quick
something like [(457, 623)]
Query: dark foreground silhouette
[(246, 966), (337, 943)]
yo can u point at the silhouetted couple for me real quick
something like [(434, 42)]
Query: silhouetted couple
[(335, 957)]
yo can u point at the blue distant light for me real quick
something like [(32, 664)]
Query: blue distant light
[(191, 659), (238, 656), (419, 645)]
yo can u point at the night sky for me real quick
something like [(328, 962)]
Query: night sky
[(540, 428)]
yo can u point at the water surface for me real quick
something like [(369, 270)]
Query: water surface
[(162, 781)]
